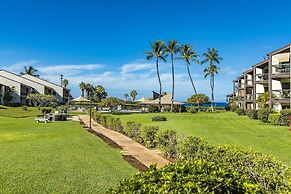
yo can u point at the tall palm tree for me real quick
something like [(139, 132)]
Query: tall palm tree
[(188, 54), (214, 59), (88, 88), (133, 94), (100, 93), (126, 96), (158, 51), (82, 86), (173, 48), (65, 83), (30, 71)]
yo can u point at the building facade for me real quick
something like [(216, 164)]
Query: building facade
[(23, 85), (270, 77)]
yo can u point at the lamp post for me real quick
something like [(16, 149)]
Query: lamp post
[(61, 76), (90, 112)]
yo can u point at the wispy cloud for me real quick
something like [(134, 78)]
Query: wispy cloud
[(229, 71), (18, 67), (61, 68), (133, 67)]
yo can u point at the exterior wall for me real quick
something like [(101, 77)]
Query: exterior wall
[(59, 91), (10, 83)]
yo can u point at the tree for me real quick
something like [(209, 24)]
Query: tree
[(133, 94), (41, 100), (8, 95), (82, 86), (158, 51), (88, 88), (65, 83), (100, 93), (213, 58), (263, 100), (172, 48), (126, 96), (111, 102), (30, 71), (188, 54), (198, 99)]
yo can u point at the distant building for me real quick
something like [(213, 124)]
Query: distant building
[(23, 85), (166, 99), (270, 76)]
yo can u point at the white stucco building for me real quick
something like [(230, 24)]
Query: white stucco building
[(23, 85)]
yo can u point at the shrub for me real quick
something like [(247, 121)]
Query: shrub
[(97, 117), (274, 119), (24, 107), (197, 176), (117, 126), (252, 113), (167, 142), (116, 112), (193, 109), (133, 130), (109, 122), (263, 114), (103, 121), (191, 146), (284, 118), (233, 108), (166, 108), (240, 111), (159, 118), (153, 108), (46, 110), (149, 136)]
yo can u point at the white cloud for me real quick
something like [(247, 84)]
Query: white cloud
[(133, 67), (18, 67), (61, 68), (229, 71)]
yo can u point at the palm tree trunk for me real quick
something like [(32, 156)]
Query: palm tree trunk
[(191, 77), (160, 83), (212, 91), (82, 93), (173, 82)]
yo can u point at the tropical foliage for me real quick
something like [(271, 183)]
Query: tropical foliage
[(30, 70)]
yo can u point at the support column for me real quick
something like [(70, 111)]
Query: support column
[(2, 94), (270, 82)]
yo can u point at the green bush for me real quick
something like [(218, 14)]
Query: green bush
[(159, 118), (193, 109), (133, 130), (166, 108), (115, 112), (149, 136), (153, 108), (252, 113), (284, 118), (240, 111), (263, 114), (109, 122), (103, 121), (97, 117), (167, 143), (191, 146), (24, 107), (197, 176), (117, 126), (274, 119), (46, 110)]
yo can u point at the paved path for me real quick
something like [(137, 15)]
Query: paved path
[(141, 153)]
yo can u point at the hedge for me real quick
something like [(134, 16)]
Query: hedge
[(274, 119), (167, 143), (285, 117), (252, 113), (240, 111), (133, 130), (263, 114), (159, 118), (149, 136)]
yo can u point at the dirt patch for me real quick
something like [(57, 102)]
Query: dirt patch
[(105, 139), (135, 163)]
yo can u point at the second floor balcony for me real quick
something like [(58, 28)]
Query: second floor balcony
[(262, 77), (282, 94), (281, 70)]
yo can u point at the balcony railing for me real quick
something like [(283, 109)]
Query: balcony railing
[(250, 97), (281, 69), (262, 77), (282, 94)]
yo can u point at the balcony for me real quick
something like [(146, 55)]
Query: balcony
[(282, 95), (281, 70), (249, 97), (262, 77), (239, 86)]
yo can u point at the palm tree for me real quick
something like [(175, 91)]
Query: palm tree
[(100, 93), (65, 82), (87, 88), (173, 48), (188, 54), (213, 58), (158, 51), (30, 71), (82, 86), (126, 96), (133, 94)]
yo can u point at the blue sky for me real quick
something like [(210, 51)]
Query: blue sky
[(102, 42)]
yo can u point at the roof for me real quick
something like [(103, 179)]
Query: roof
[(143, 99), (280, 49), (261, 63), (165, 100), (80, 99)]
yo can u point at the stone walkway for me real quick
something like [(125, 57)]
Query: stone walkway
[(141, 153)]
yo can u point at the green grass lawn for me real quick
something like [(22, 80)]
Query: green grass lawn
[(225, 128), (59, 157), (18, 112)]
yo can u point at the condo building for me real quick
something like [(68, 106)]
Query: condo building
[(23, 85), (271, 76)]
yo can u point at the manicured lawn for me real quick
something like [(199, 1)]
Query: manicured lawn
[(226, 128), (58, 157), (18, 112)]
